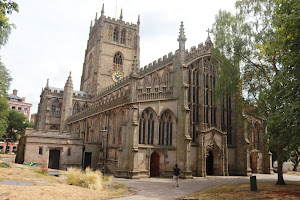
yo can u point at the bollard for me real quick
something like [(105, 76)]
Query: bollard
[(253, 183)]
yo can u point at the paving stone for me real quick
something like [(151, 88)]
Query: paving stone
[(13, 182), (44, 182), (8, 182), (25, 183)]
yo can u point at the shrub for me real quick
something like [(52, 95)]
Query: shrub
[(88, 179)]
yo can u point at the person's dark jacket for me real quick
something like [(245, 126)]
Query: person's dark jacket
[(176, 171)]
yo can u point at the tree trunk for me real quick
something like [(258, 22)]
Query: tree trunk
[(297, 160), (280, 180)]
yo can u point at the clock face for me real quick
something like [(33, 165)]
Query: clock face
[(117, 76)]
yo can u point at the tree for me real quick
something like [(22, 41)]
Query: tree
[(3, 115), (262, 39), (6, 7), (17, 123), (5, 80), (283, 98)]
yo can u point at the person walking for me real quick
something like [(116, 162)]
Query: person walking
[(176, 172)]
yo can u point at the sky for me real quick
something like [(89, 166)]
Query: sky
[(51, 36)]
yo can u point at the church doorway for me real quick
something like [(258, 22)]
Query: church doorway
[(210, 163), (87, 160), (253, 163), (54, 156), (154, 165)]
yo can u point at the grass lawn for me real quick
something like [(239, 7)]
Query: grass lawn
[(49, 187), (266, 190)]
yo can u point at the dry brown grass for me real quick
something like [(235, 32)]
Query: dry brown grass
[(266, 190), (297, 173), (88, 178), (57, 188)]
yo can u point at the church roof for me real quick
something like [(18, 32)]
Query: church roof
[(55, 89)]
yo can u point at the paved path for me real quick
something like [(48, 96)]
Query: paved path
[(159, 188)]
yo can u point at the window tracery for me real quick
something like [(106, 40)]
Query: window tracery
[(129, 38), (55, 108), (165, 135), (118, 61), (146, 127), (116, 34), (85, 106), (193, 98), (123, 36), (110, 33), (76, 108)]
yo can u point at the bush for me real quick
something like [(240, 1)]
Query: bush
[(88, 179)]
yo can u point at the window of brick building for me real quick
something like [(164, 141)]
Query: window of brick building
[(19, 108), (25, 110)]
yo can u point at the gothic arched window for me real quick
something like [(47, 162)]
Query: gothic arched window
[(129, 38), (110, 33), (146, 127), (118, 61), (193, 97), (55, 109), (165, 129), (90, 66), (85, 106), (123, 36), (76, 108), (116, 34)]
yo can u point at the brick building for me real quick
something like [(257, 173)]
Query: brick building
[(17, 103)]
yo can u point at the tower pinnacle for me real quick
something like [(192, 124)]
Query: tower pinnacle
[(134, 69), (102, 10), (121, 15), (181, 33), (47, 84), (96, 17), (181, 38), (69, 81)]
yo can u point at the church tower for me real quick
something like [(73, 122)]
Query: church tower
[(111, 48)]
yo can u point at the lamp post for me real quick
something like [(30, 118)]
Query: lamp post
[(103, 134)]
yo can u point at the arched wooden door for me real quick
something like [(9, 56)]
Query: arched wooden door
[(154, 165), (210, 163)]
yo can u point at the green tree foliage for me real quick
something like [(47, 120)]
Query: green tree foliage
[(262, 40), (5, 80), (6, 7), (17, 123), (3, 115), (283, 98)]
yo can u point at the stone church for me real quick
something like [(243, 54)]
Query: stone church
[(137, 121)]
